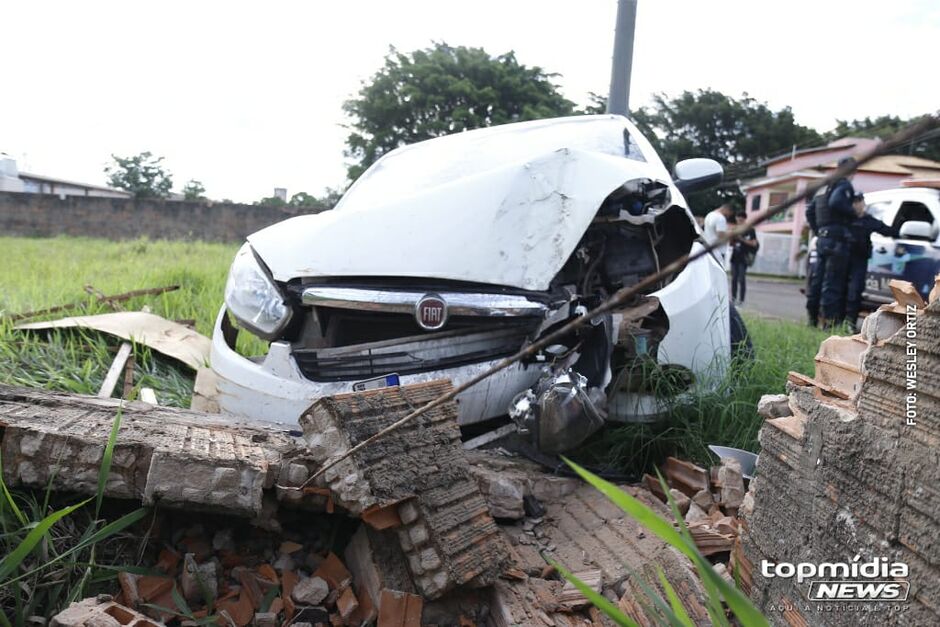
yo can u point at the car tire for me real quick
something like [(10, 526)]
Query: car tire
[(741, 346)]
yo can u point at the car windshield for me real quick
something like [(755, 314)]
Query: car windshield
[(439, 161)]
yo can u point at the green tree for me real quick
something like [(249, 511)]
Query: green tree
[(737, 132), (442, 90), (271, 201), (927, 146), (194, 190), (143, 175), (303, 199), (597, 104)]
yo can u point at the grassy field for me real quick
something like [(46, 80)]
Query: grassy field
[(40, 273)]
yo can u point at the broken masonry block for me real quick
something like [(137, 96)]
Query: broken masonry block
[(703, 498), (447, 533), (774, 406), (265, 619), (572, 598), (384, 517), (310, 591), (682, 501), (334, 572), (399, 609), (347, 604), (199, 581), (100, 611), (504, 494), (685, 476), (849, 478), (377, 562), (172, 456), (732, 483)]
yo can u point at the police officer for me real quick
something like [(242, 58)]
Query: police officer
[(859, 252), (829, 216)]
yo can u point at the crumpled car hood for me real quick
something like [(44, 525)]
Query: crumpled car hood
[(514, 225)]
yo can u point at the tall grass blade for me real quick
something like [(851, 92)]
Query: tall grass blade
[(180, 603), (640, 512), (654, 606), (11, 562), (716, 587), (598, 600), (8, 498), (104, 471), (678, 610), (105, 532)]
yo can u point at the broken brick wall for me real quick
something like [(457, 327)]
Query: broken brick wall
[(162, 455), (844, 478), (446, 530)]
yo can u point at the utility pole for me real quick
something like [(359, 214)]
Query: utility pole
[(618, 101)]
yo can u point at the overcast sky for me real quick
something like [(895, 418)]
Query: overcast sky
[(248, 96)]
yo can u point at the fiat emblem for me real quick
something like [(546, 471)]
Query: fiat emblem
[(431, 312)]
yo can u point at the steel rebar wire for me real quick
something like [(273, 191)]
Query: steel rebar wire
[(902, 137)]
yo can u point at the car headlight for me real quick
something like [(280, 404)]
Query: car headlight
[(252, 297)]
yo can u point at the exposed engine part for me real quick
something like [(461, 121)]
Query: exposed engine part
[(635, 232), (560, 411), (636, 201)]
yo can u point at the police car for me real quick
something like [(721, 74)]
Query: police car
[(913, 256)]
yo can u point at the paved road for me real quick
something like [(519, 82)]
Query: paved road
[(778, 299)]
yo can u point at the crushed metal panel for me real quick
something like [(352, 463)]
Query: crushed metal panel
[(164, 336), (525, 211)]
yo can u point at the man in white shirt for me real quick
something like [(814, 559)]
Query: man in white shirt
[(716, 225)]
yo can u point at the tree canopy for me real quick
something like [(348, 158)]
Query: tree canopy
[(193, 190), (884, 126), (441, 90), (303, 200), (739, 133), (143, 175)]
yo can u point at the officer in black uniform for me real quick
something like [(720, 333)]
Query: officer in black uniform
[(859, 252), (829, 216)]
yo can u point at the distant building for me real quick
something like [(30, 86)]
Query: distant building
[(789, 175), (12, 180)]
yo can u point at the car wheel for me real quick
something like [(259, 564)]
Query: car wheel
[(741, 345)]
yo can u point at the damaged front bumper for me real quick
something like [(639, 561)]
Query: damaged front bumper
[(274, 388)]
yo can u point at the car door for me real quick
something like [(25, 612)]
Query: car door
[(881, 264)]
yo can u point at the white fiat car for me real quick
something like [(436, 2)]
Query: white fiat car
[(451, 254)]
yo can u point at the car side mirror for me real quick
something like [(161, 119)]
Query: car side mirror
[(915, 229), (692, 175)]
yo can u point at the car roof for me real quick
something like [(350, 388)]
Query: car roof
[(901, 193)]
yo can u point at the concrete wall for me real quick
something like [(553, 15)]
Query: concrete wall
[(45, 215), (774, 255)]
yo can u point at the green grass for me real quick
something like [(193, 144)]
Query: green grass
[(55, 555), (725, 416), (41, 273), (46, 272)]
